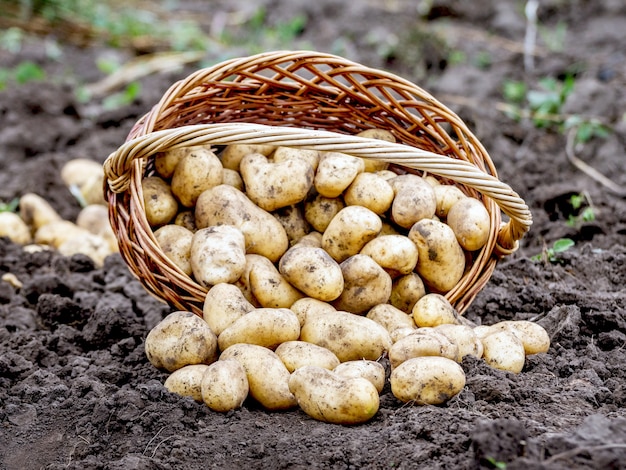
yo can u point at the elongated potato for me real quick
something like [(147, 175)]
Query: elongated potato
[(312, 271), (469, 220), (320, 210), (349, 231), (335, 173), (414, 200), (441, 260), (218, 254), (310, 306), (266, 327), (37, 212), (349, 336), (434, 309), (532, 335), (370, 370), (366, 284), (504, 350), (406, 291), (224, 386), (371, 191), (420, 343), (428, 380), (225, 205), (390, 317), (175, 242), (13, 227), (396, 254), (296, 354), (446, 195), (223, 305), (232, 154), (160, 204), (268, 378), (180, 339), (267, 285), (196, 172), (329, 397), (187, 381)]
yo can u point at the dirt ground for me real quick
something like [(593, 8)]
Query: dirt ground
[(76, 390)]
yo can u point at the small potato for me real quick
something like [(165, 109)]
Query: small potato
[(532, 335), (187, 381), (268, 378), (223, 305), (441, 260), (175, 242), (335, 173), (266, 327), (329, 397), (349, 231), (469, 220), (390, 317), (196, 172), (232, 154), (91, 190), (165, 162), (446, 195), (396, 254), (370, 370), (14, 228), (268, 286), (406, 291), (427, 380), (293, 221), (274, 185), (78, 171), (418, 343), (386, 174), (371, 191), (95, 218), (399, 333), (505, 351), (321, 210), (180, 339), (58, 232), (36, 211), (434, 309), (94, 246), (312, 271), (349, 336), (186, 219), (366, 284), (312, 157), (414, 200), (224, 386), (463, 336), (160, 204), (311, 239), (232, 178), (225, 205), (296, 354), (309, 306), (379, 134), (218, 254), (482, 330)]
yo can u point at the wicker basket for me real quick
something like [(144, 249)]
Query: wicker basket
[(310, 100)]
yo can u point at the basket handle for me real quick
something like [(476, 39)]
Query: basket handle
[(118, 165)]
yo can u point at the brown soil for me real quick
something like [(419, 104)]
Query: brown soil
[(76, 390)]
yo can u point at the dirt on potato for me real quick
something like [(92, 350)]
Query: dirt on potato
[(76, 389)]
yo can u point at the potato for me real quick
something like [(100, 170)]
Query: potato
[(263, 234), (293, 221), (463, 336), (329, 397), (371, 191), (274, 185), (390, 317), (349, 336), (399, 333), (321, 210), (14, 228), (160, 204), (433, 310), (58, 232), (469, 220), (36, 211), (446, 195), (175, 243), (223, 305), (186, 219), (266, 327), (482, 330), (406, 291), (386, 174), (296, 354), (268, 378), (414, 200), (94, 246), (422, 343), (349, 231), (311, 239), (335, 173), (232, 154), (312, 157), (379, 134), (196, 172), (427, 380), (441, 260), (78, 171), (95, 219), (267, 285), (218, 254), (370, 370), (312, 271), (366, 284), (165, 162), (532, 335), (180, 339), (232, 178), (91, 190), (396, 254), (224, 386), (309, 306), (187, 381), (504, 350)]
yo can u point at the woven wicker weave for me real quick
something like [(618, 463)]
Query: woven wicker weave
[(309, 100)]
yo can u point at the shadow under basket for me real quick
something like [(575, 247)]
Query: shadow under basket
[(312, 100)]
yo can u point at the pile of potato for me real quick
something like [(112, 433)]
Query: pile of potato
[(317, 265)]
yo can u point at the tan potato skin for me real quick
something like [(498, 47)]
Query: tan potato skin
[(366, 284), (446, 195), (420, 343), (267, 285), (505, 351), (175, 242), (371, 191), (312, 157), (532, 335), (224, 386), (160, 204), (13, 227), (406, 291), (321, 210), (296, 354), (218, 254), (187, 381), (232, 154), (414, 200), (335, 173), (396, 254), (434, 309), (390, 317), (196, 172), (349, 231), (379, 134), (308, 305), (370, 370), (223, 305), (469, 220)]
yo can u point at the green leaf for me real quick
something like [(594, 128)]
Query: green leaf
[(562, 245), (28, 71)]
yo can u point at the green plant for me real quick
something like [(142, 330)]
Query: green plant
[(124, 97), (496, 463), (554, 37), (551, 254), (547, 101), (23, 72), (586, 129), (10, 206), (582, 210)]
